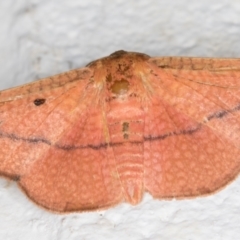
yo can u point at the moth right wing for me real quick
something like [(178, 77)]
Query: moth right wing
[(53, 141), (192, 129)]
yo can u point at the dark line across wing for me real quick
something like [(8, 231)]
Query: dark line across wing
[(216, 115)]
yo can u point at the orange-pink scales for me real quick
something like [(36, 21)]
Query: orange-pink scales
[(97, 136), (122, 76)]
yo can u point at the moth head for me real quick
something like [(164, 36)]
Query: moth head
[(120, 73)]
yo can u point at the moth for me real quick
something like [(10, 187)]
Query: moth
[(123, 125)]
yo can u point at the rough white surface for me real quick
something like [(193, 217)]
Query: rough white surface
[(40, 38)]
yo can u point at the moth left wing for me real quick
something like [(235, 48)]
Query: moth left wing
[(54, 143), (192, 129)]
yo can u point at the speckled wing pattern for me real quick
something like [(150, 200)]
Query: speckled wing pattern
[(49, 135), (193, 127), (125, 124)]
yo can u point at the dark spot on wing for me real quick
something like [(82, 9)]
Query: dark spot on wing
[(39, 101)]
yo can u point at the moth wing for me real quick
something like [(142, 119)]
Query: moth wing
[(192, 129), (53, 141)]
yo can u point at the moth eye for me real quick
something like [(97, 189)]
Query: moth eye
[(39, 101)]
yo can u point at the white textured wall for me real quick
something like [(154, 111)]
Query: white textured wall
[(40, 38)]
